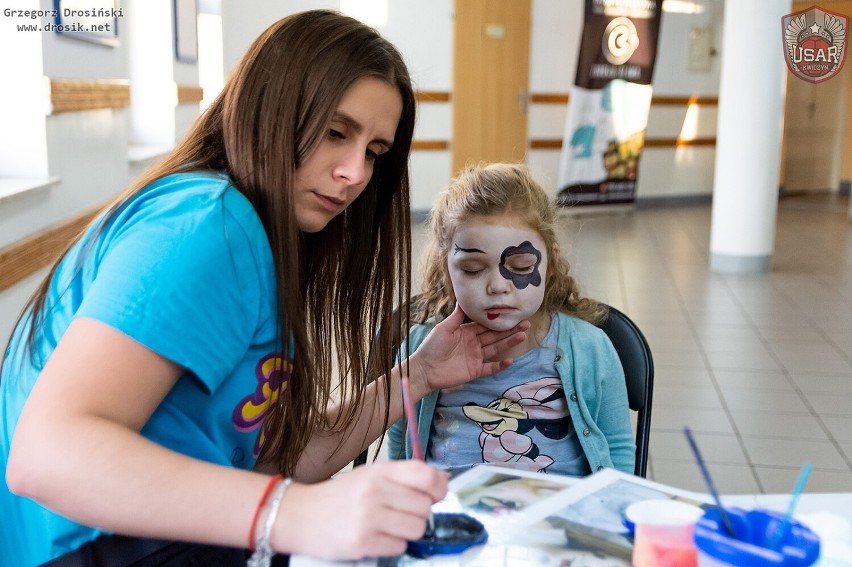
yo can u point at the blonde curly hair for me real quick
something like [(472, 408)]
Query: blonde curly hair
[(489, 190)]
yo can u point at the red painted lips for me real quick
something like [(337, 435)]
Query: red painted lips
[(497, 310)]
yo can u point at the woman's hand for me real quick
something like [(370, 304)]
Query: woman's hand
[(371, 511), (456, 352)]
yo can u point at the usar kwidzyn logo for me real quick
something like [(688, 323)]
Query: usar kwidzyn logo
[(815, 43)]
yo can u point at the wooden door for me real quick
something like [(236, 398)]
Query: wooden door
[(816, 139), (814, 131), (490, 78)]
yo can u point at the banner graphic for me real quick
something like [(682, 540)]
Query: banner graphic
[(815, 43), (609, 102)]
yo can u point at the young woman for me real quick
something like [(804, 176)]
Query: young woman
[(179, 352), (562, 405)]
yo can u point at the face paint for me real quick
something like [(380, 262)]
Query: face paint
[(498, 266), (521, 280)]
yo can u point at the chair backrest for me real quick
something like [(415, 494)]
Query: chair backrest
[(636, 359), (638, 364)]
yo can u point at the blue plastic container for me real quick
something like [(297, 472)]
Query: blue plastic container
[(755, 543), (453, 534)]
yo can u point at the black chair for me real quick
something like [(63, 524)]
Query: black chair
[(638, 364)]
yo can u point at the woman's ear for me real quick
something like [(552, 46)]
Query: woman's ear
[(556, 249)]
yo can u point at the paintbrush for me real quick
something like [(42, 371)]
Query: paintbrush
[(797, 491), (723, 514), (414, 438)]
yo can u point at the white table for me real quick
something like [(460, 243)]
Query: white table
[(839, 503), (829, 510)]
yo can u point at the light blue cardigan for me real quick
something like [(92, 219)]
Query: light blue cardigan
[(593, 379)]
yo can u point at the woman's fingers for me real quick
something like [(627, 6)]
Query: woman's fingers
[(455, 319), (418, 476), (455, 352), (401, 506), (494, 343), (493, 350), (372, 511)]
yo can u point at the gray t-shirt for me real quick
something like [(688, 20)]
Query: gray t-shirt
[(516, 418)]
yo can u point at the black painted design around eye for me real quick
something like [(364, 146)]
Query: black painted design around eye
[(521, 281)]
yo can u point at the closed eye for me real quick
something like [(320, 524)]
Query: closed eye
[(370, 154), (522, 263), (521, 269)]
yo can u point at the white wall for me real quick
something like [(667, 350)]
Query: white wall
[(673, 74), (686, 170), (243, 21), (554, 46), (85, 153), (423, 33), (69, 58), (23, 154)]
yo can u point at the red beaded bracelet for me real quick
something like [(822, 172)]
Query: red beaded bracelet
[(272, 482)]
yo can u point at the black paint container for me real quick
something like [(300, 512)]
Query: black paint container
[(453, 534)]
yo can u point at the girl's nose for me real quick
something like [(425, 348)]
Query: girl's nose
[(497, 284)]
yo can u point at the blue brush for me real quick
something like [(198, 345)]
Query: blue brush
[(797, 491), (723, 514)]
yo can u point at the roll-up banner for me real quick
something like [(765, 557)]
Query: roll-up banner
[(609, 102)]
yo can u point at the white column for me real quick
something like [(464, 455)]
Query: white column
[(24, 97), (150, 43), (748, 139)]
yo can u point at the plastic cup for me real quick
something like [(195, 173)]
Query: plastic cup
[(755, 541), (663, 533)]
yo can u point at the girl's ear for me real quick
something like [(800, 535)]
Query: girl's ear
[(556, 249)]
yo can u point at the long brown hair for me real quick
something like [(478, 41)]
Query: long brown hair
[(496, 189), (334, 287)]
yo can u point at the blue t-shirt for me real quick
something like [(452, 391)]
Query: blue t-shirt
[(185, 269), (517, 418)]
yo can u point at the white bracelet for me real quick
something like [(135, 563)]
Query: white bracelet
[(262, 557)]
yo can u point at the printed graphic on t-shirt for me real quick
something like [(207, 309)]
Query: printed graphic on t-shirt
[(537, 406), (272, 373)]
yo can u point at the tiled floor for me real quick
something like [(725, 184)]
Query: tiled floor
[(758, 366)]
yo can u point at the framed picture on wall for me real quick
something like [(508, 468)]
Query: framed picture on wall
[(95, 21), (186, 30)]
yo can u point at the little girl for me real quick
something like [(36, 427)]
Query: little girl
[(562, 405)]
